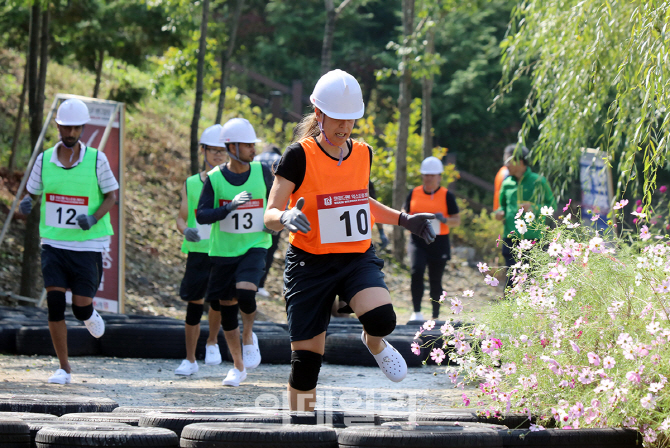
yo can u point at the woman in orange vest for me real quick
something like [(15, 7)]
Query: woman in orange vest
[(431, 198), (325, 174)]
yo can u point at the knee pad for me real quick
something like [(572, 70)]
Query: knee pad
[(246, 298), (215, 305), (194, 313), (305, 367), (229, 317), (82, 312), (56, 305), (379, 321)]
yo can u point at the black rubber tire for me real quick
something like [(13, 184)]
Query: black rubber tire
[(37, 341), (181, 409), (55, 404), (513, 421), (14, 433), (102, 417), (178, 421), (226, 435), (409, 435), (28, 416), (573, 438), (347, 349), (8, 332), (36, 425), (275, 347), (61, 436), (144, 340)]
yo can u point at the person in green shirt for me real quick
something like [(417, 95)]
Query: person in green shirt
[(521, 189)]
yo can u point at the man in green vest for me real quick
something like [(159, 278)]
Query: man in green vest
[(196, 244), (234, 199), (77, 188)]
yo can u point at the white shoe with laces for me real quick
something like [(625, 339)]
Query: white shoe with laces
[(251, 354), (213, 355), (235, 377), (263, 292), (95, 325), (390, 361), (60, 377), (187, 368), (416, 315)]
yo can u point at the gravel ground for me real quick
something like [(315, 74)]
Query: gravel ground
[(151, 382)]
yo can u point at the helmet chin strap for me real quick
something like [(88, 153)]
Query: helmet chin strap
[(331, 143), (207, 161), (234, 156)]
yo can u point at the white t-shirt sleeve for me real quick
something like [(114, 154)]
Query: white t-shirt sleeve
[(106, 180), (34, 185)]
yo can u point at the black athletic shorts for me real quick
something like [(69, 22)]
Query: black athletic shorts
[(226, 272), (194, 284), (311, 283), (79, 272)]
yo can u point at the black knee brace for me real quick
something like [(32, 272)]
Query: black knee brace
[(246, 298), (56, 305), (194, 313), (229, 317), (82, 312), (379, 321), (215, 305), (305, 367)]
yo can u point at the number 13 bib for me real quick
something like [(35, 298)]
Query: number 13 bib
[(247, 218), (61, 210), (344, 217)]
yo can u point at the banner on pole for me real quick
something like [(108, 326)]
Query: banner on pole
[(597, 190)]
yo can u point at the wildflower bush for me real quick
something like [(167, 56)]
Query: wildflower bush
[(581, 340)]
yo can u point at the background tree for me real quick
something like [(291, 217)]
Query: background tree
[(199, 88), (226, 54)]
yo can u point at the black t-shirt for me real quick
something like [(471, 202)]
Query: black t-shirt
[(452, 206), (207, 213), (293, 163)]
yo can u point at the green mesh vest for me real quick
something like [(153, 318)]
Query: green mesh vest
[(193, 189), (68, 193), (242, 229)]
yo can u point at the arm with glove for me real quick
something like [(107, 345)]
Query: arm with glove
[(88, 221), (418, 224), (208, 214)]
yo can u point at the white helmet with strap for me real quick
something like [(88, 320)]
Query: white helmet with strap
[(237, 130), (211, 135), (72, 112), (431, 165), (338, 95)]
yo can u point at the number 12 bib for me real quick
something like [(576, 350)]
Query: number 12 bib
[(344, 217), (61, 210), (247, 218)]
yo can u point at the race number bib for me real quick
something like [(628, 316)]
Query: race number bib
[(247, 218), (344, 217), (203, 229), (61, 210)]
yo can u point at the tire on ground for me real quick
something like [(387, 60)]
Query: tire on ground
[(14, 433), (8, 331), (144, 340), (36, 340), (55, 404), (36, 425), (102, 417), (92, 435), (178, 421), (230, 435), (28, 416), (347, 349), (412, 435), (577, 438)]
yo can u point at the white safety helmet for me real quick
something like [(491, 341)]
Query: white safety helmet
[(72, 112), (431, 165), (237, 130), (338, 95), (211, 135)]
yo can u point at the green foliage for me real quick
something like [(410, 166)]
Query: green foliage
[(599, 75), (477, 231)]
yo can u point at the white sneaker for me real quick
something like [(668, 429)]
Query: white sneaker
[(416, 316), (235, 377), (213, 355), (390, 361), (95, 325), (263, 292), (251, 354), (60, 377), (186, 368)]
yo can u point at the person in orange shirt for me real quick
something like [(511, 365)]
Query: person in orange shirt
[(502, 173), (325, 174), (431, 197)]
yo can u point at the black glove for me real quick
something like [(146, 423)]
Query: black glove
[(86, 221), (26, 205), (419, 224), (295, 220), (192, 235), (440, 217), (238, 200)]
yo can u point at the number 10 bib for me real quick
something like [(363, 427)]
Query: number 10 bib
[(247, 218), (61, 210), (344, 217)]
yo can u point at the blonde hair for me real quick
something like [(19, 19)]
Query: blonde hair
[(308, 127)]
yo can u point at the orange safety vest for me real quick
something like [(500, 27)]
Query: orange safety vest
[(497, 183), (430, 203), (336, 201)]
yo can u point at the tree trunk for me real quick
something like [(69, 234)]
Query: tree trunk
[(404, 100), (36, 83), (226, 55), (98, 72), (329, 30), (427, 93), (199, 88), (19, 119)]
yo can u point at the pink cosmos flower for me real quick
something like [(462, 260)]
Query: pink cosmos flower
[(593, 358), (492, 281), (633, 377), (644, 233), (456, 305), (574, 346), (648, 401), (437, 355), (595, 217), (535, 428), (466, 400), (569, 295), (429, 325), (483, 267), (663, 189), (609, 362), (621, 204), (509, 368), (416, 348), (567, 206), (453, 376)]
